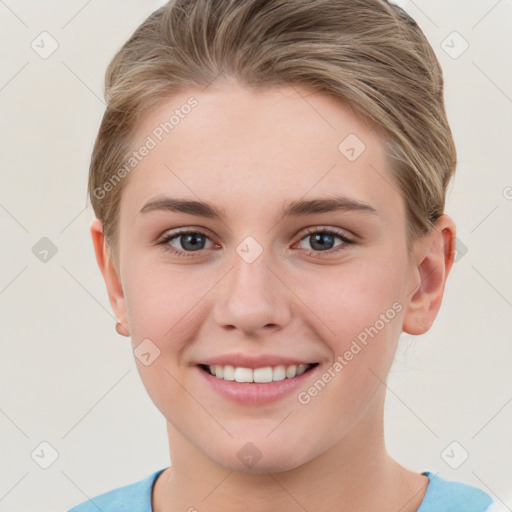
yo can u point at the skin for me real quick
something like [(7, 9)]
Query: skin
[(250, 152)]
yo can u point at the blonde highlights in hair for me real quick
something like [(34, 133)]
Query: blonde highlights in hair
[(368, 53)]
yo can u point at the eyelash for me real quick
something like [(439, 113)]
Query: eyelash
[(310, 231)]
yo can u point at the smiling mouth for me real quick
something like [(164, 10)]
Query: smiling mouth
[(257, 375)]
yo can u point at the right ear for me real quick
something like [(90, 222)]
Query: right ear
[(110, 274)]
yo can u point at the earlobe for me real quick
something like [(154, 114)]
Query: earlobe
[(110, 276), (435, 256)]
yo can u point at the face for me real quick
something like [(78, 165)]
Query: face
[(266, 281)]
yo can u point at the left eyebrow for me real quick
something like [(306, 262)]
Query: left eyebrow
[(326, 205), (291, 209)]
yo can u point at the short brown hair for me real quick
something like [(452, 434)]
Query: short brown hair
[(368, 53)]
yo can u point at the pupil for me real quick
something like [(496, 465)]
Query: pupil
[(192, 240), (317, 239)]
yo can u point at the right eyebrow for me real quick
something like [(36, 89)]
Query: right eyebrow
[(172, 204)]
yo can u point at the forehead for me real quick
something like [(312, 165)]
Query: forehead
[(240, 148)]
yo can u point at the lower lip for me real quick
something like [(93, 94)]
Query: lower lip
[(253, 393)]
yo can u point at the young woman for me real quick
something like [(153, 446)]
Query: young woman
[(269, 184)]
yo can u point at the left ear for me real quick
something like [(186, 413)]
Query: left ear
[(434, 256)]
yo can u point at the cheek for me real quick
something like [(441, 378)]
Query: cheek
[(161, 298), (365, 314), (162, 306), (362, 307), (350, 299), (169, 306)]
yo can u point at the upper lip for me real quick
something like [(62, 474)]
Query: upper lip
[(247, 361)]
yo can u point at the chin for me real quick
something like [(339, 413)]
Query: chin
[(250, 460)]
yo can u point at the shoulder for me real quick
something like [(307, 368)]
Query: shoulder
[(137, 495), (446, 495)]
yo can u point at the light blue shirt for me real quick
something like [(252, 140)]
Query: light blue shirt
[(441, 496)]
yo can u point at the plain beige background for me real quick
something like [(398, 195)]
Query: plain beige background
[(67, 380)]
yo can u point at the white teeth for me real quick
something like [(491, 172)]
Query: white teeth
[(291, 371), (266, 374), (262, 374), (301, 369), (229, 373), (279, 373), (243, 374)]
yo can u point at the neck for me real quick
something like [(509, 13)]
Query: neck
[(355, 473)]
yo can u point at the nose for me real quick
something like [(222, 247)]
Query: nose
[(253, 298)]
